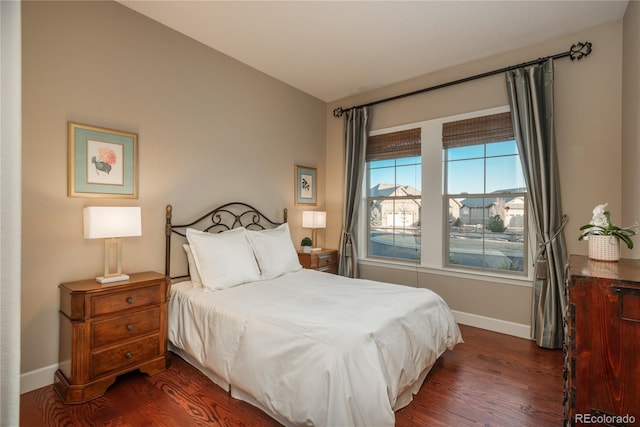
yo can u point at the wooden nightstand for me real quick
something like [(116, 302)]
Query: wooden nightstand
[(108, 330), (323, 260)]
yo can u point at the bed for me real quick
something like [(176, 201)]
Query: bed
[(306, 347)]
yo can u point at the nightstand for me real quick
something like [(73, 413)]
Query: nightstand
[(323, 260), (109, 329)]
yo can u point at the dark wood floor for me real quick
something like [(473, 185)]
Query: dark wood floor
[(490, 380)]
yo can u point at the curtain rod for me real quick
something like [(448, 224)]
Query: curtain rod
[(577, 51)]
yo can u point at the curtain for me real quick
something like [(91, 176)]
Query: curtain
[(356, 129), (530, 92)]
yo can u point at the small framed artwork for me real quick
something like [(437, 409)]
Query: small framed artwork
[(305, 186), (102, 162)]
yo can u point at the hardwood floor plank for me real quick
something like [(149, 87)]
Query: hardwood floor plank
[(52, 410), (491, 380), (193, 391)]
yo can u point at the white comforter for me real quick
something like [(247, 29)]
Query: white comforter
[(314, 348)]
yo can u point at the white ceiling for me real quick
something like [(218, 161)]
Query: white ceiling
[(334, 49)]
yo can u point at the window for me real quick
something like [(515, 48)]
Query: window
[(485, 195), (394, 171), (458, 180)]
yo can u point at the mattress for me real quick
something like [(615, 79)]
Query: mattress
[(312, 348)]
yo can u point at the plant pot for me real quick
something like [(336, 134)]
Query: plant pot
[(604, 248), (306, 249)]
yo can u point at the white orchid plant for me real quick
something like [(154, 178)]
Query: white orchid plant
[(601, 225)]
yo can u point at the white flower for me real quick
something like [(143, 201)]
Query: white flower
[(600, 221), (600, 209), (599, 217)]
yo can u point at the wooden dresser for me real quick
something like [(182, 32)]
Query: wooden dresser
[(602, 359), (323, 260), (107, 330)]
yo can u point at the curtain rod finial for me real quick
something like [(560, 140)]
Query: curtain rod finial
[(580, 50), (338, 112)]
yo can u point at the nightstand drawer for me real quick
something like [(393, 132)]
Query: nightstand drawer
[(112, 303), (128, 354), (113, 330), (326, 259), (332, 268), (323, 260)]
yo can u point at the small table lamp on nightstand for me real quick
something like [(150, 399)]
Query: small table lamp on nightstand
[(111, 223), (314, 220)]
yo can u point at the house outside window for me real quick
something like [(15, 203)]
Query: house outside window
[(486, 195), (394, 170)]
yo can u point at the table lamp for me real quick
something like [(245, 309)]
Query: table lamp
[(314, 220), (112, 223)]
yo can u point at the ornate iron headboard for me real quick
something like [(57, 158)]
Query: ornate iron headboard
[(223, 218)]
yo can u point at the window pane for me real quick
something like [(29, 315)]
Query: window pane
[(487, 233), (381, 181), (465, 176), (385, 177), (409, 176), (466, 219), (504, 235), (502, 148), (504, 174), (394, 229), (467, 152)]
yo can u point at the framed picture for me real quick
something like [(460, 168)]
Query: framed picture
[(102, 162), (305, 186)]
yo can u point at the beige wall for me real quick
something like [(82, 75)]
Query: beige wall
[(588, 131), (211, 130), (631, 119)]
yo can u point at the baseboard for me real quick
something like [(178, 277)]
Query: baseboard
[(496, 325), (39, 378)]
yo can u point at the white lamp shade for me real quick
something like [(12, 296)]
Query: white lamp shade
[(314, 219), (106, 222)]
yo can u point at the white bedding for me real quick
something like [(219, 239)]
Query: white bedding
[(313, 348)]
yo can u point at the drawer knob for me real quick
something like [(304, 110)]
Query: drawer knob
[(130, 300), (130, 327), (129, 355)]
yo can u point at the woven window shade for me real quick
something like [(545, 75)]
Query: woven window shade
[(479, 130), (394, 145)]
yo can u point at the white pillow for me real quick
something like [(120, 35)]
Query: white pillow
[(274, 251), (224, 259), (193, 269)]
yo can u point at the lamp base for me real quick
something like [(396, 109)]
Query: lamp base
[(114, 278)]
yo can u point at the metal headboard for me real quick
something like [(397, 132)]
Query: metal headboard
[(223, 218)]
